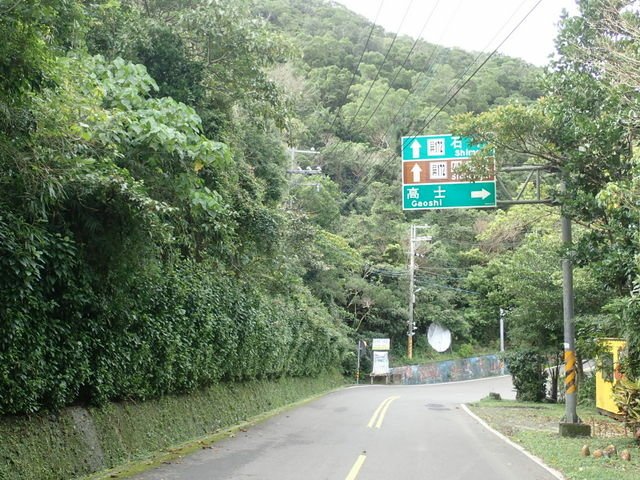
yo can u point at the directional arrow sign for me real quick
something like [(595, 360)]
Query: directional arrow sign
[(415, 149), (416, 170), (449, 195), (480, 194), (437, 147), (429, 174)]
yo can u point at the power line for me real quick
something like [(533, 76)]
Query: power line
[(406, 59), (446, 287), (423, 281), (355, 72), (384, 60), (444, 105), (428, 67)]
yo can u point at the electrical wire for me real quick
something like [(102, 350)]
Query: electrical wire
[(392, 157), (420, 280), (384, 60), (445, 287), (355, 72), (429, 66), (406, 59)]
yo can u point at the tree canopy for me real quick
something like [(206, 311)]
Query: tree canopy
[(203, 191)]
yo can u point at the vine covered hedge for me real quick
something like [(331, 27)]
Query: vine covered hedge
[(181, 328)]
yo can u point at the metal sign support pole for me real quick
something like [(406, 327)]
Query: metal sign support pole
[(571, 415), (412, 266), (358, 367)]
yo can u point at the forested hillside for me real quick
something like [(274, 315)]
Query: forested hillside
[(158, 235)]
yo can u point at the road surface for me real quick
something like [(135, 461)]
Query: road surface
[(368, 433)]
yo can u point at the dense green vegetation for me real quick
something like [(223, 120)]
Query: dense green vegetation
[(152, 241)]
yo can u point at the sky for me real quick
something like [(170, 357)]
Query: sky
[(473, 25)]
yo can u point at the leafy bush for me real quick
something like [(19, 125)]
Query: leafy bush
[(466, 351), (587, 390), (529, 377), (626, 394), (173, 329)]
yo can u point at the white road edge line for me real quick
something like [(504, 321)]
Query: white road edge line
[(552, 471)]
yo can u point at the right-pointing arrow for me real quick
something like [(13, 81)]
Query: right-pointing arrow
[(480, 194)]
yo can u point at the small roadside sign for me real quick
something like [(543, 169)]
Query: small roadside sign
[(381, 344)]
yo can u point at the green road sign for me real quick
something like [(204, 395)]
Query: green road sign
[(437, 147), (449, 195), (429, 163)]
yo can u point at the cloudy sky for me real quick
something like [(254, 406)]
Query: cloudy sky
[(474, 25)]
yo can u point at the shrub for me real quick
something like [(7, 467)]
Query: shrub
[(626, 394), (587, 390), (529, 377), (466, 351), (169, 329)]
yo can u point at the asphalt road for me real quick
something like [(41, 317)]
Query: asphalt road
[(368, 433)]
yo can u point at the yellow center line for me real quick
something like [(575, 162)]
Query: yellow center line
[(384, 411), (353, 473), (381, 412)]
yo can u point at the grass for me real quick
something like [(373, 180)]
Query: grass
[(535, 427), (178, 451), (128, 437)]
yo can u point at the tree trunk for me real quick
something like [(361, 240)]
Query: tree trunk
[(555, 373)]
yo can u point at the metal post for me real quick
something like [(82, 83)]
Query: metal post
[(502, 330), (571, 415), (412, 290), (502, 369), (358, 367), (412, 265)]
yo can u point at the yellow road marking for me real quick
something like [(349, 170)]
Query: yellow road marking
[(353, 473), (384, 412), (381, 411)]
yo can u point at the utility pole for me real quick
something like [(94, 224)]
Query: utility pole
[(411, 326), (412, 267), (502, 339), (569, 328), (502, 330), (358, 367), (571, 426), (293, 152)]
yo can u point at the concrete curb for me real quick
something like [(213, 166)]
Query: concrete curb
[(535, 459)]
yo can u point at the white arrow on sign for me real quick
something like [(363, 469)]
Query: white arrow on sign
[(480, 194), (416, 170), (415, 149)]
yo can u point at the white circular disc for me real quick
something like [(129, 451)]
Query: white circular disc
[(439, 337)]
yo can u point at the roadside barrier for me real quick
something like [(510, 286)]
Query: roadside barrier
[(448, 371)]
